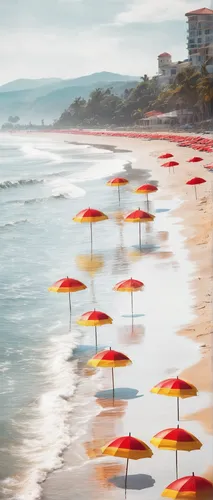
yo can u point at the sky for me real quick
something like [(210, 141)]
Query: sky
[(69, 38)]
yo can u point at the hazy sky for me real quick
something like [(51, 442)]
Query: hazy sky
[(68, 38)]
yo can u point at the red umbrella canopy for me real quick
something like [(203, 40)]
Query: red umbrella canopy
[(170, 164), (117, 181), (130, 285), (94, 318), (175, 387), (165, 156), (195, 180), (128, 447), (176, 439), (65, 285), (146, 189), (195, 159), (90, 215), (109, 359), (139, 216), (190, 487)]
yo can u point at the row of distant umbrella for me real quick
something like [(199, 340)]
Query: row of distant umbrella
[(195, 142)]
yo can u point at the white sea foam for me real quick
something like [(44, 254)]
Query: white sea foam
[(32, 152), (64, 187), (99, 170)]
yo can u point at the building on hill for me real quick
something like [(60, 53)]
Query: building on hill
[(167, 69), (200, 38)]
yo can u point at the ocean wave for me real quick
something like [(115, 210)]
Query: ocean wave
[(20, 182), (32, 152), (12, 224)]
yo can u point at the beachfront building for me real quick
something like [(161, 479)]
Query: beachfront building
[(200, 38), (167, 69)]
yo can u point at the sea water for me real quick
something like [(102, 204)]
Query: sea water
[(43, 184)]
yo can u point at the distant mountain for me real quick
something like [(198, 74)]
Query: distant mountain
[(27, 84), (94, 78), (47, 98)]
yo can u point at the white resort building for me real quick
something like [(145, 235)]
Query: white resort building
[(200, 38)]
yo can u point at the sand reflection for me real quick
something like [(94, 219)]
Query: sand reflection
[(104, 472), (131, 334)]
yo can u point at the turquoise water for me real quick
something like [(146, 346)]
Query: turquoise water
[(42, 186)]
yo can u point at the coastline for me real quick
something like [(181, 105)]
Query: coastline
[(198, 242)]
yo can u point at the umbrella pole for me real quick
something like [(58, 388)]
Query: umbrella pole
[(176, 458), (147, 201), (139, 230), (119, 196), (70, 308), (132, 307), (127, 465), (96, 339), (91, 238), (113, 384), (195, 192), (178, 409)]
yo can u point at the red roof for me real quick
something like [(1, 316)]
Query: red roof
[(165, 54), (201, 12)]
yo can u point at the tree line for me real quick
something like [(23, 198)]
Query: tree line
[(191, 90)]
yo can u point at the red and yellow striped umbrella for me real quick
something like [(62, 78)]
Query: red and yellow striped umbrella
[(67, 285), (90, 215), (110, 359), (94, 318), (176, 439), (175, 387), (131, 285), (127, 447), (189, 488), (140, 217), (118, 182), (146, 189)]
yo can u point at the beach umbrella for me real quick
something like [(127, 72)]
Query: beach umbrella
[(140, 217), (118, 182), (194, 182), (189, 488), (127, 447), (195, 159), (94, 318), (67, 285), (146, 189), (170, 164), (165, 156), (176, 439), (131, 285), (177, 388), (110, 359), (90, 215)]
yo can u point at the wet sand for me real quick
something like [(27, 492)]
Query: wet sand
[(182, 270)]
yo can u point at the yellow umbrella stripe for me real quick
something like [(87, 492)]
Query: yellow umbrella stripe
[(125, 453), (168, 444), (117, 184), (176, 393), (128, 289), (179, 494), (90, 219), (65, 290), (101, 363), (138, 219), (95, 322)]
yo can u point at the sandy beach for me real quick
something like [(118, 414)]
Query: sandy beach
[(172, 335)]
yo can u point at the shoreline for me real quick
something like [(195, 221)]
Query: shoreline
[(171, 187)]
